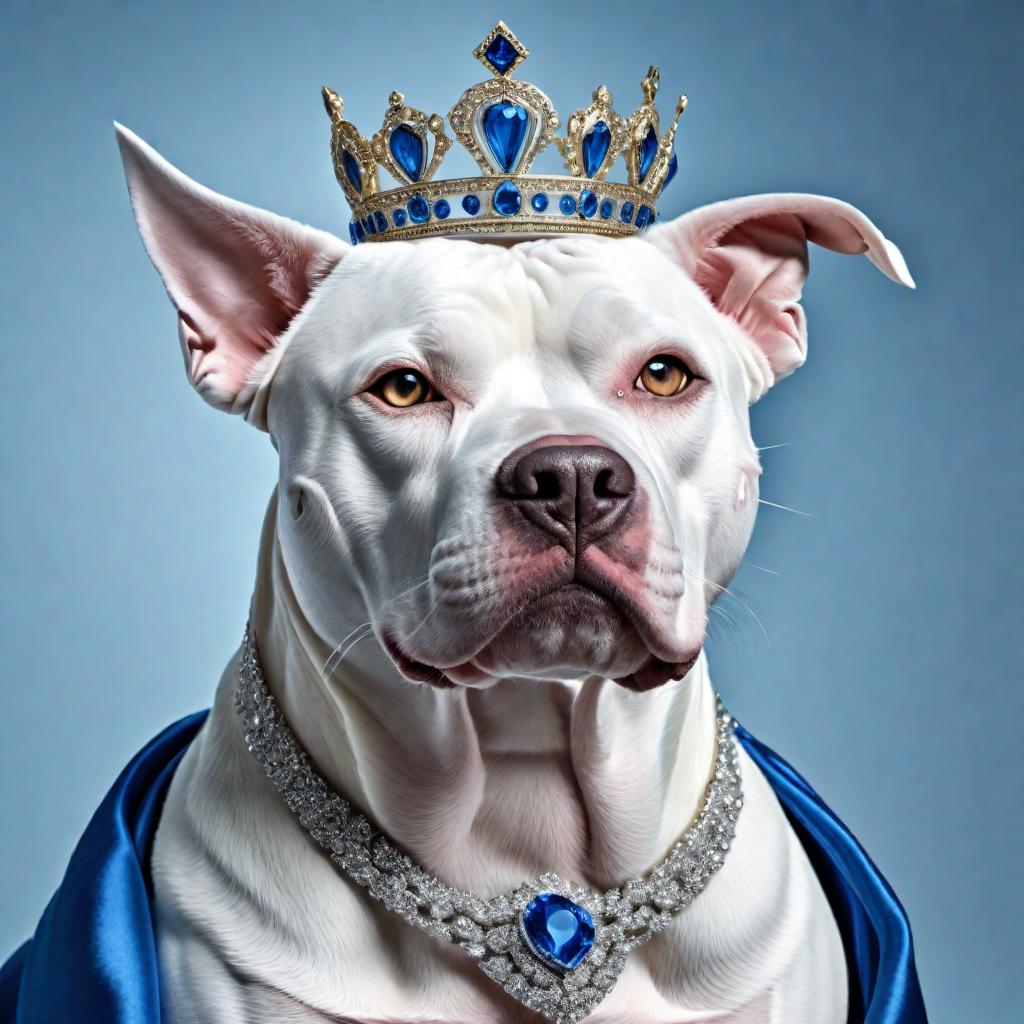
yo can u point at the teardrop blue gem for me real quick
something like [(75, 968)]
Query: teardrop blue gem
[(408, 150), (352, 172), (648, 148), (505, 125), (595, 147)]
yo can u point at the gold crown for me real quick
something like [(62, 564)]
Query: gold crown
[(504, 123)]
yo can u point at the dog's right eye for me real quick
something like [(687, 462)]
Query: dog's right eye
[(404, 388)]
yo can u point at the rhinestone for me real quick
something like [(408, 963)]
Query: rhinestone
[(607, 209), (380, 221), (567, 204), (471, 204), (540, 202), (558, 930), (595, 147), (399, 217), (643, 218), (507, 199), (408, 150), (419, 210), (442, 209), (500, 54), (505, 125), (371, 228), (352, 171), (626, 213)]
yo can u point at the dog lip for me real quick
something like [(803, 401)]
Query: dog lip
[(417, 671)]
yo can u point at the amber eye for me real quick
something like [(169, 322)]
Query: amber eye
[(664, 376), (403, 388)]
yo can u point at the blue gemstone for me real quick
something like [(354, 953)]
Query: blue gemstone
[(648, 148), (626, 213), (673, 166), (352, 232), (595, 147), (352, 171), (371, 228), (607, 209), (567, 205), (507, 199), (540, 202), (360, 231), (419, 209), (501, 54), (559, 931), (441, 209), (643, 217), (399, 217), (471, 204), (408, 150), (588, 203), (505, 126), (380, 221)]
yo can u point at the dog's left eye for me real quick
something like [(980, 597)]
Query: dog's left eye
[(664, 376), (404, 388)]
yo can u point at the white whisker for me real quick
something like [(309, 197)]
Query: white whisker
[(761, 568), (785, 508), (771, 447)]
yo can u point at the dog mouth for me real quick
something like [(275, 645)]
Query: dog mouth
[(594, 625)]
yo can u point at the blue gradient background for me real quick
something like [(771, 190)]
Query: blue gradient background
[(889, 663)]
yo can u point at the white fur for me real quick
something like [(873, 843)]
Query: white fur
[(537, 761)]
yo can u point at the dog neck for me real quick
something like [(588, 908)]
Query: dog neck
[(486, 788)]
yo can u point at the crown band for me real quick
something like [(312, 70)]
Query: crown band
[(504, 124)]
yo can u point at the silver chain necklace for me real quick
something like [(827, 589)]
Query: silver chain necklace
[(555, 946)]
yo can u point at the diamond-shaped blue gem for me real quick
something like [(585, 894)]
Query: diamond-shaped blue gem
[(352, 171), (408, 150), (505, 125), (607, 209), (673, 166), (626, 213), (567, 204), (500, 54), (399, 217), (471, 204), (558, 930), (648, 149), (595, 147), (419, 210), (540, 201), (507, 199)]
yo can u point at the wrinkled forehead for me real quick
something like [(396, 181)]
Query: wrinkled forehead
[(473, 305)]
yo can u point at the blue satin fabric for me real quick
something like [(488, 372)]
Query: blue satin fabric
[(93, 957)]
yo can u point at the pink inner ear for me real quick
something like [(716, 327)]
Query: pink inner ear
[(236, 274), (755, 274)]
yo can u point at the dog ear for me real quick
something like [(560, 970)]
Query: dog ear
[(750, 257), (237, 275)]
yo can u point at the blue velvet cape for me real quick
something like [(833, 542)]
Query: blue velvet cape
[(93, 957)]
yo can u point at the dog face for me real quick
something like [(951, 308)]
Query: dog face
[(522, 461)]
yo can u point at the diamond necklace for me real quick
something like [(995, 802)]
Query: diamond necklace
[(555, 946)]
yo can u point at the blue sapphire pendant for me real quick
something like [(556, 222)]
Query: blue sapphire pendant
[(559, 931)]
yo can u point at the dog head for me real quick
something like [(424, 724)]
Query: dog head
[(512, 461)]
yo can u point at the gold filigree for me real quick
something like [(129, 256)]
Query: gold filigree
[(345, 137)]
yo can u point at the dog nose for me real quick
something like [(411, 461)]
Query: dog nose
[(577, 492)]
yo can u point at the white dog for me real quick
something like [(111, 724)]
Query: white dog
[(512, 481)]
